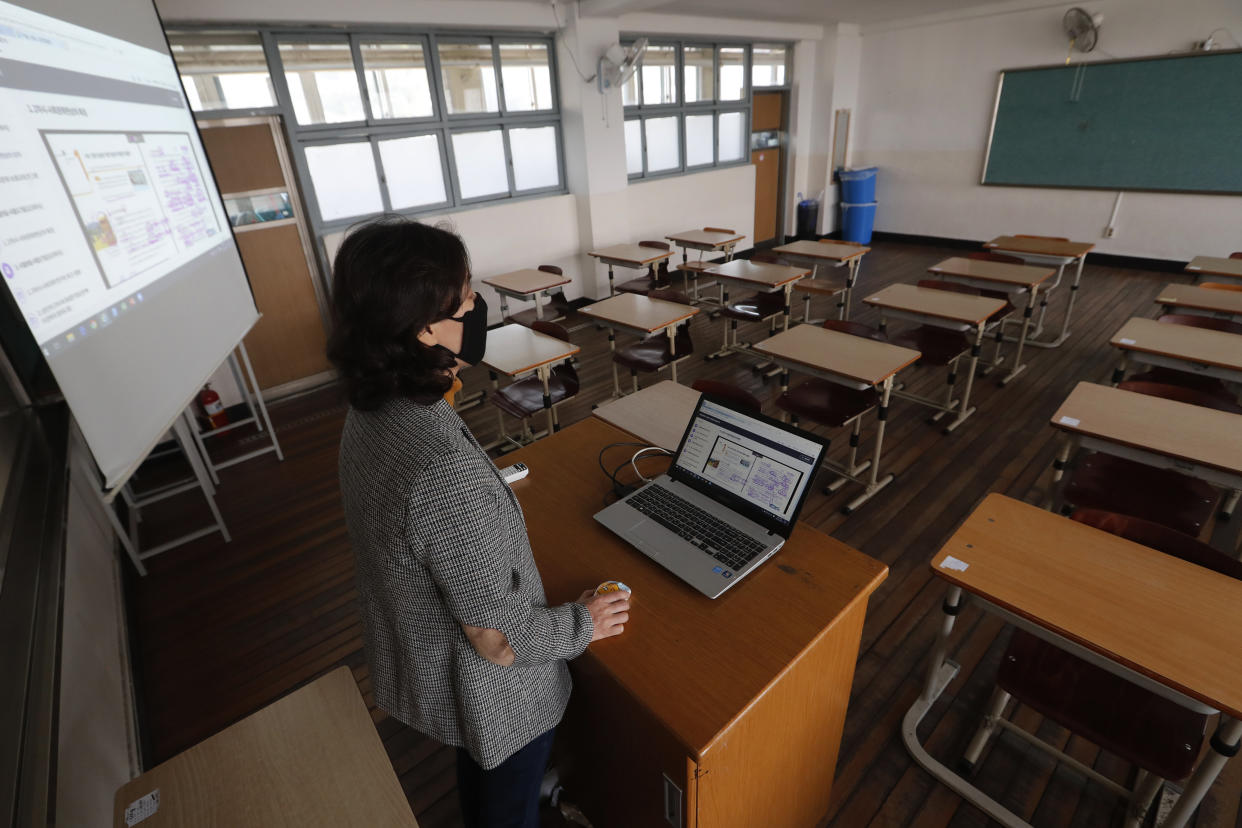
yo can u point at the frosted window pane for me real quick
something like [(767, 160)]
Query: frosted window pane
[(767, 65), (698, 140), (396, 75), (322, 82), (633, 147), (344, 179), (730, 136), (534, 157), (732, 73), (413, 172), (659, 70), (469, 77), (663, 152), (480, 161), (700, 73), (527, 78)]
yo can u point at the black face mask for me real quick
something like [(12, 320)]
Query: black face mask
[(473, 333)]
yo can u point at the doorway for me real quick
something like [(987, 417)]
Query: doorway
[(767, 151)]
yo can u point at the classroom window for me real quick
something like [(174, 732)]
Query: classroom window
[(468, 75), (396, 77), (344, 179), (222, 70), (413, 171), (480, 159), (536, 163), (688, 107), (768, 65), (526, 74), (323, 85)]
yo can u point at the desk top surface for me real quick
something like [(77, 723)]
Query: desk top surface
[(941, 304), (632, 253), (515, 349), (855, 357), (1215, 265), (526, 281), (1201, 298), (658, 413), (999, 272), (1041, 247), (835, 251), (1173, 621), (633, 310), (1199, 345), (695, 663), (714, 238), (312, 758), (1175, 429), (762, 274)]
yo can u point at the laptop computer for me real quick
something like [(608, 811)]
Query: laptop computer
[(730, 498)]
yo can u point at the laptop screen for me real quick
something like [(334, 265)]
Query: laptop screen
[(765, 465)]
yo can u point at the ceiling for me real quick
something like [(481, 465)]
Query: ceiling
[(800, 11)]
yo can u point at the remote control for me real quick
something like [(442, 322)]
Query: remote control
[(514, 473)]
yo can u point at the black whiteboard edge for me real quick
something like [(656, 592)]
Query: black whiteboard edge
[(1166, 56)]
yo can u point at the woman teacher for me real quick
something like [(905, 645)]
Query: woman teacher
[(461, 643)]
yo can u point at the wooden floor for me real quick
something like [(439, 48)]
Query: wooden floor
[(223, 629)]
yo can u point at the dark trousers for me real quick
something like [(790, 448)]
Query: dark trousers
[(506, 796)]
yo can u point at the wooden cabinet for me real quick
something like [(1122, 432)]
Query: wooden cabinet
[(767, 163)]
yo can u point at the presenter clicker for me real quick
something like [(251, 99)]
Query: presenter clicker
[(461, 643)]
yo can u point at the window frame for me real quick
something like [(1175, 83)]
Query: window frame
[(373, 129), (715, 107)]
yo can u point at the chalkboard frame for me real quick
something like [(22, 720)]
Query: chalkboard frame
[(1000, 85)]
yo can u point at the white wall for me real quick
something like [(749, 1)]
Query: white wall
[(925, 104), (719, 198)]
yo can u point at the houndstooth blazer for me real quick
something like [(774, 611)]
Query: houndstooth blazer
[(440, 541)]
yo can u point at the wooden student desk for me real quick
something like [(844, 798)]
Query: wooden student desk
[(704, 241), (1201, 442), (1222, 304), (1221, 270), (1010, 278), (525, 285), (633, 256), (658, 413), (822, 252), (642, 315), (1197, 350), (943, 309), (732, 708), (1053, 252), (312, 758), (1168, 625), (515, 350), (763, 277), (855, 362)]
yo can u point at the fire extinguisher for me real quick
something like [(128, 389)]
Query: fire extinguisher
[(209, 401)]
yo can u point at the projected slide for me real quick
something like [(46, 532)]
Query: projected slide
[(139, 197)]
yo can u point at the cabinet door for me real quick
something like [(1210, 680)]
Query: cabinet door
[(767, 164)]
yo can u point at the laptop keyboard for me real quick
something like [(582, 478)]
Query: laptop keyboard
[(699, 527)]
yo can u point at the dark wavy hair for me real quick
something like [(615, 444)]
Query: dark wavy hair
[(392, 278)]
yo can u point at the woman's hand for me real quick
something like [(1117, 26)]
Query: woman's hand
[(609, 612)]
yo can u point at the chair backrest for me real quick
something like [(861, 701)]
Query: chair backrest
[(765, 257), (728, 391), (670, 295), (1220, 285), (854, 329), (658, 245), (984, 256), (941, 284), (1196, 321), (551, 269), (1237, 254), (551, 329), (1181, 393), (718, 230), (1162, 539), (842, 241), (1045, 238)]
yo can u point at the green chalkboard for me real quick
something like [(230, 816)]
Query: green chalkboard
[(1168, 123)]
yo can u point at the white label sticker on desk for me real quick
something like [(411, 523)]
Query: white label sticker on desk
[(1069, 421), (953, 563), (1125, 341), (140, 809)]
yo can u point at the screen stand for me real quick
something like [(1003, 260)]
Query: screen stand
[(253, 397)]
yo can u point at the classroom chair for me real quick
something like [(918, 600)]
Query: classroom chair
[(1159, 736), (1181, 393), (1116, 484), (652, 353), (1220, 285), (557, 308), (1174, 376), (657, 277), (814, 286), (1237, 254), (691, 271), (1194, 320), (524, 398), (757, 307), (1002, 258), (728, 391), (832, 404), (939, 347), (996, 322)]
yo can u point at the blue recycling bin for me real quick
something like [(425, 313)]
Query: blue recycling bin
[(858, 186), (857, 222)]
